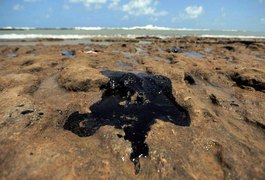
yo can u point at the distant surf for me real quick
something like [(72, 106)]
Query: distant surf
[(9, 33)]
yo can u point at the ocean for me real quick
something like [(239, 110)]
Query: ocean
[(9, 33)]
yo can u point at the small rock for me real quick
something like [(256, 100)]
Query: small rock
[(20, 105), (187, 98)]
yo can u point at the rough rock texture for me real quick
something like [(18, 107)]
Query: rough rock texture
[(223, 91), (27, 82), (77, 77)]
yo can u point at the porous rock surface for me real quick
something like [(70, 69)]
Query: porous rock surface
[(223, 92)]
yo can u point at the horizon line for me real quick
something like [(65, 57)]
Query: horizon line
[(146, 27)]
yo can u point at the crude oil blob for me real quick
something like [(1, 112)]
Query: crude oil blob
[(26, 112), (132, 103)]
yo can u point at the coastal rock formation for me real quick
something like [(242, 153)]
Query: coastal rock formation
[(76, 77), (131, 86)]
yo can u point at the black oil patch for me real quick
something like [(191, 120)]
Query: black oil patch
[(132, 103), (26, 112)]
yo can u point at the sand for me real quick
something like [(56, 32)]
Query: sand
[(219, 82)]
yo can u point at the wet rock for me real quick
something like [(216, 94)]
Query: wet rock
[(78, 77), (132, 103), (68, 53), (176, 50)]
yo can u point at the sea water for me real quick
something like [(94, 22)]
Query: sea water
[(9, 33)]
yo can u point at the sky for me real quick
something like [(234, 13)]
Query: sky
[(195, 14)]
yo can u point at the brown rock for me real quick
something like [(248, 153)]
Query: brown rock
[(77, 77), (28, 82)]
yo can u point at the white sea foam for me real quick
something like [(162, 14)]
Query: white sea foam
[(14, 28), (147, 27), (66, 36), (88, 28), (151, 27), (7, 27), (87, 36)]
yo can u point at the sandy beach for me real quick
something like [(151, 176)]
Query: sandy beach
[(76, 108)]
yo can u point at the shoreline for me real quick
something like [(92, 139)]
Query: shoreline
[(35, 37), (107, 40)]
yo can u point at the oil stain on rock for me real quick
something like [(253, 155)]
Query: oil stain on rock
[(131, 102)]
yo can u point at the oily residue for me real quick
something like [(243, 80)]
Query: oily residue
[(26, 112), (132, 103)]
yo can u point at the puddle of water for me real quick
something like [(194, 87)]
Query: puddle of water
[(194, 55), (68, 53), (132, 103)]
